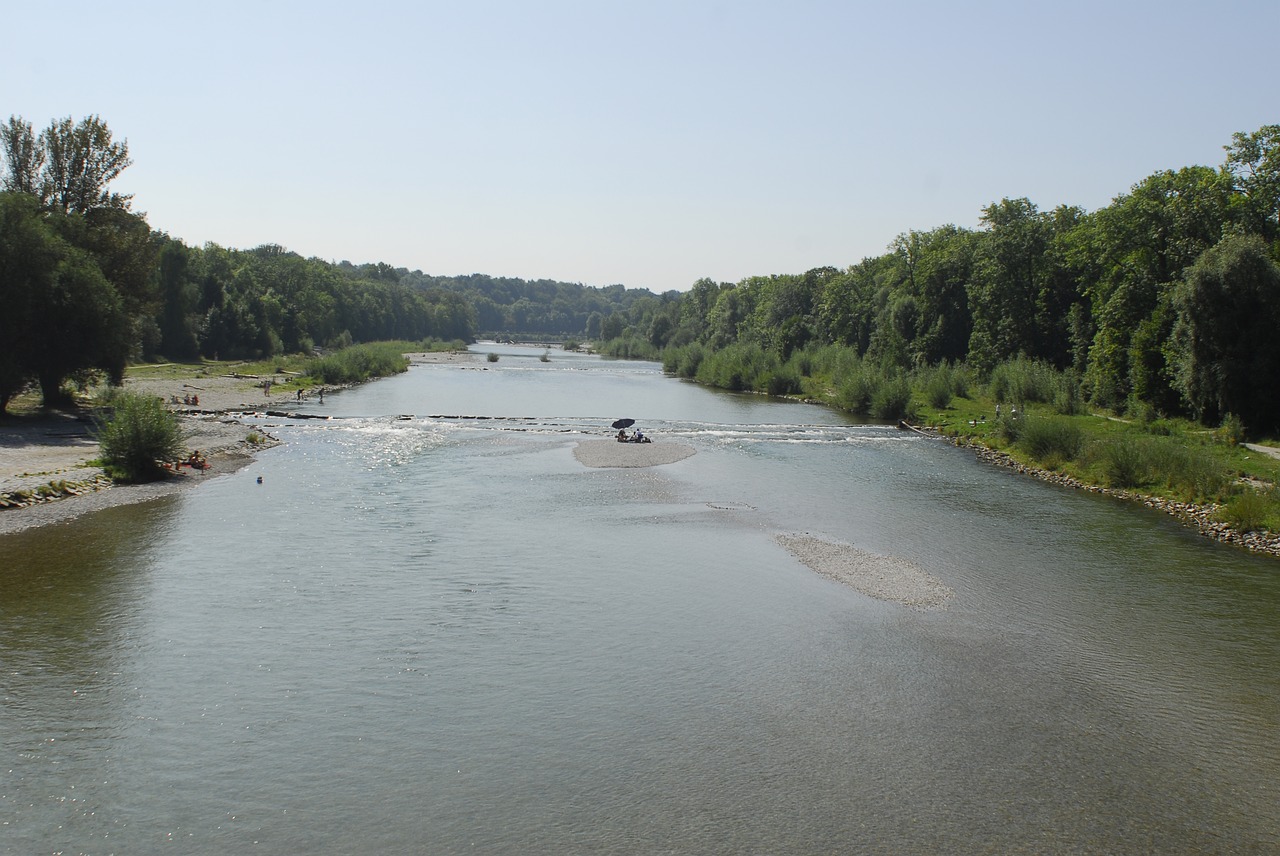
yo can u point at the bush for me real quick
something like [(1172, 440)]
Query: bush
[(1231, 431), (138, 436), (834, 361), (1125, 463), (360, 362), (892, 400), (960, 381), (1248, 512), (1020, 381), (939, 390), (737, 367), (1069, 400), (1050, 439), (683, 361), (785, 381), (857, 390), (1191, 471)]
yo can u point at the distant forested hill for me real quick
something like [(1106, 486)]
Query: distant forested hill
[(512, 306)]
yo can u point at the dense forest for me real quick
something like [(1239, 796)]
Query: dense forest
[(87, 285), (1167, 299)]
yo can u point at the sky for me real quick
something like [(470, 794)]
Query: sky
[(648, 144)]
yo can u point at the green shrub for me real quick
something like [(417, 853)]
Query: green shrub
[(360, 363), (1231, 431), (785, 381), (138, 436), (630, 346), (1194, 472), (856, 391), (1021, 380), (683, 361), (961, 380), (802, 362), (491, 357), (1125, 463), (737, 367), (1069, 400), (1009, 428), (939, 390), (892, 400), (1050, 439), (1248, 512)]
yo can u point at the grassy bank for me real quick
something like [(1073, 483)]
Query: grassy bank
[(290, 372)]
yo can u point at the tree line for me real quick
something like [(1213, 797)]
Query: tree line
[(1167, 299), (86, 285)]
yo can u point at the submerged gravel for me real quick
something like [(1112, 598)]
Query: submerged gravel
[(886, 578)]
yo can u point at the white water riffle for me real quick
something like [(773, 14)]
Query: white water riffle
[(432, 629)]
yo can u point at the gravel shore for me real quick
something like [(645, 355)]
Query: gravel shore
[(45, 457)]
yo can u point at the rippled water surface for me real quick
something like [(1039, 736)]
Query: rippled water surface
[(431, 630)]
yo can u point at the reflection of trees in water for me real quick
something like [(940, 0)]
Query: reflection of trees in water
[(70, 597)]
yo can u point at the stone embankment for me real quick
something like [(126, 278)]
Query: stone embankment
[(1198, 517)]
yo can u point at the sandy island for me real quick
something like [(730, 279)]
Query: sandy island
[(611, 453), (885, 578)]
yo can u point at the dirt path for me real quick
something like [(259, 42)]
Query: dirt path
[(1266, 450)]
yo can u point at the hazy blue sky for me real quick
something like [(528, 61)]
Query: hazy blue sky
[(643, 143)]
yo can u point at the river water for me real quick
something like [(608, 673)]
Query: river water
[(429, 629)]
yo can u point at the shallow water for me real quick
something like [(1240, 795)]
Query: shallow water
[(429, 629)]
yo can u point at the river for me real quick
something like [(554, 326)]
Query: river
[(430, 629)]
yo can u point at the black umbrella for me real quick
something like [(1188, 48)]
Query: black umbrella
[(624, 423)]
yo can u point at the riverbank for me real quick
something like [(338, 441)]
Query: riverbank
[(1201, 517), (47, 474)]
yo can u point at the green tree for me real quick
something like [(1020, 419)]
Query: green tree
[(1228, 312), (61, 316), (24, 157), (179, 294), (1253, 161), (1008, 275), (1143, 242), (29, 256), (81, 159)]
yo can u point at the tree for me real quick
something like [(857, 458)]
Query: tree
[(1253, 161), (61, 316), (1143, 242), (29, 256), (178, 320), (1007, 278), (1228, 312), (24, 156), (81, 159)]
